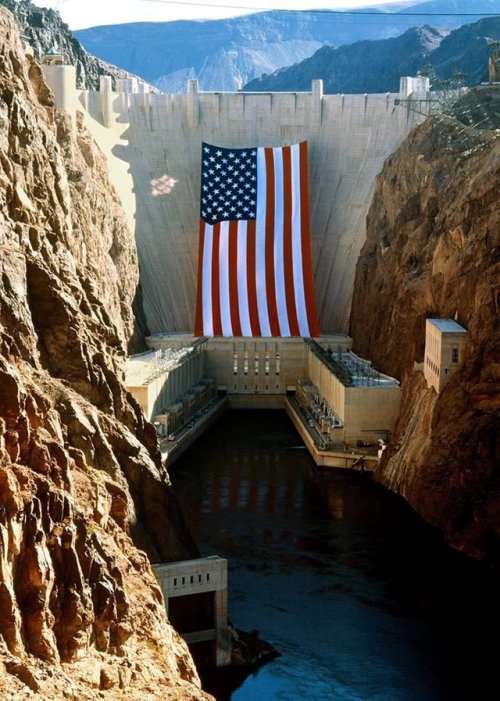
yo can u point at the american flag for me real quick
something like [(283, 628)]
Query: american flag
[(254, 269)]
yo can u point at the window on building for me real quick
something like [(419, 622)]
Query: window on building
[(454, 355)]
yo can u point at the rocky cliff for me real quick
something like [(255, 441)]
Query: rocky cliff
[(433, 250), (44, 30), (81, 483)]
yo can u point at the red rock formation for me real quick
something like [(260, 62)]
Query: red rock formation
[(81, 483), (432, 249)]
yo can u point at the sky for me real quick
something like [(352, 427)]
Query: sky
[(80, 14)]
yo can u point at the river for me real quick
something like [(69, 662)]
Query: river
[(357, 594)]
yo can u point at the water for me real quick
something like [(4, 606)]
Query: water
[(355, 592)]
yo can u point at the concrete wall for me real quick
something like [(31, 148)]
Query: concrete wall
[(155, 393), (245, 366), (158, 137), (370, 412)]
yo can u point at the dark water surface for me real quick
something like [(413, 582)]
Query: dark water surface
[(357, 595)]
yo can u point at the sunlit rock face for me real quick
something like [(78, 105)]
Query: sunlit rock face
[(432, 250), (81, 483)]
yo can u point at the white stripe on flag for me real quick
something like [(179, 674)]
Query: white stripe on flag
[(225, 304), (246, 329), (298, 273), (279, 258), (260, 235), (208, 325)]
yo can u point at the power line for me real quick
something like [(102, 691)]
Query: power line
[(373, 13)]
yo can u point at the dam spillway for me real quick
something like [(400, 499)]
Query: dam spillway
[(153, 144)]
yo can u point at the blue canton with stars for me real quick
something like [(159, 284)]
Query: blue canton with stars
[(228, 184)]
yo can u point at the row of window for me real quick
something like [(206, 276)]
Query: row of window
[(434, 348), (253, 388), (253, 365), (435, 367), (191, 579), (434, 345)]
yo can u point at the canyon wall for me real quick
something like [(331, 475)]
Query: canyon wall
[(81, 482), (433, 250)]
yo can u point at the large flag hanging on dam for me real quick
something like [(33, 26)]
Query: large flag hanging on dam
[(254, 268)]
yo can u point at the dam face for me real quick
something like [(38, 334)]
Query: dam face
[(157, 138)]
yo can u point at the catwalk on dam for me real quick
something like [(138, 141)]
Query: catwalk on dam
[(348, 584)]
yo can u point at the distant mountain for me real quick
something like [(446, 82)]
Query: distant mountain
[(376, 66), (366, 66), (44, 30), (467, 50), (227, 54)]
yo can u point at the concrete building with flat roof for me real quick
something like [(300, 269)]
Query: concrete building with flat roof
[(445, 341), (157, 379), (365, 400)]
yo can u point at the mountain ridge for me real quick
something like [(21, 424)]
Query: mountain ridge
[(464, 50), (167, 54), (43, 29), (344, 69)]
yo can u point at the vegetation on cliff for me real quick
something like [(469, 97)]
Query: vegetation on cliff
[(81, 483), (433, 250)]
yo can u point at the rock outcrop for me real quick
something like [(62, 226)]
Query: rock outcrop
[(81, 482), (44, 30), (433, 250)]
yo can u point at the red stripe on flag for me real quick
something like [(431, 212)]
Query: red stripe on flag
[(251, 280), (233, 278), (217, 322), (198, 323), (306, 243), (270, 223), (293, 322)]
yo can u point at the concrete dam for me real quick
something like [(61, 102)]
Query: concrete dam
[(153, 145)]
